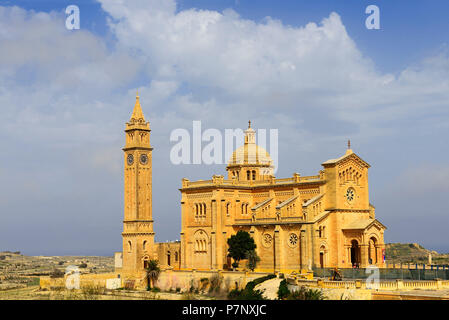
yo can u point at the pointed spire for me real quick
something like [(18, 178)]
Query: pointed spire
[(137, 112), (249, 124), (349, 151)]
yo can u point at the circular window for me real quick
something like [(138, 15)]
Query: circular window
[(267, 240), (293, 240), (350, 195)]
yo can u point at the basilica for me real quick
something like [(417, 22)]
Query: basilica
[(298, 223)]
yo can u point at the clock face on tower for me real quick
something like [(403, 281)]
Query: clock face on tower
[(143, 159), (130, 159), (350, 195)]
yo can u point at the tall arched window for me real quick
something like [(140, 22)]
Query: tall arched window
[(254, 174), (248, 175), (144, 245), (130, 246)]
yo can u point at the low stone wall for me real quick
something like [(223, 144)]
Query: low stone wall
[(86, 280), (169, 280), (205, 281)]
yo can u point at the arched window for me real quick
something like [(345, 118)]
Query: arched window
[(144, 245), (248, 175), (130, 246), (254, 174), (176, 256), (228, 208)]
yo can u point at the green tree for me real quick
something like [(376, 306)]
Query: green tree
[(253, 259), (153, 272), (239, 244)]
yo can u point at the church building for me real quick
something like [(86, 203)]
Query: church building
[(297, 223)]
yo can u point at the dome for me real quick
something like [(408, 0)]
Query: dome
[(250, 154)]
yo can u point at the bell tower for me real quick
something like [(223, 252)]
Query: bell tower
[(138, 235)]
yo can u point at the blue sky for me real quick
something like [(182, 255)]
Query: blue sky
[(66, 95)]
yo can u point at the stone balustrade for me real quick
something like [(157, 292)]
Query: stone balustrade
[(219, 180), (381, 285)]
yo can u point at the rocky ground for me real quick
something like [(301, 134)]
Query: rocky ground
[(413, 253), (19, 271)]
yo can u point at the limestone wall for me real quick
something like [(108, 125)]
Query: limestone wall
[(175, 280), (205, 280)]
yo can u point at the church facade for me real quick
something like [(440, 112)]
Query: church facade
[(298, 223)]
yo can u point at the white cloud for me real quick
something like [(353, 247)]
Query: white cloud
[(64, 96)]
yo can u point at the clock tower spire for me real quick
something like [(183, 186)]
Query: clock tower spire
[(138, 235)]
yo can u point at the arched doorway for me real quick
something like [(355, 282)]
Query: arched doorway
[(372, 251), (322, 256), (355, 253)]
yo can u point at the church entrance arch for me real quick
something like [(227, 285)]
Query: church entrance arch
[(372, 250), (355, 253)]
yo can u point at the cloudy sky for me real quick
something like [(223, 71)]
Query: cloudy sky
[(307, 68)]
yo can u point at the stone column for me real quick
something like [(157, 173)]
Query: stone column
[(219, 243), (277, 249), (183, 239), (225, 247), (213, 235), (302, 243), (363, 255)]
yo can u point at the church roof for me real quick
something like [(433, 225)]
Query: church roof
[(363, 224), (312, 200), (347, 155), (261, 204), (280, 205)]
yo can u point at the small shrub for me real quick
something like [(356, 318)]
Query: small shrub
[(215, 283), (249, 293), (283, 291), (56, 273), (155, 289), (306, 294), (92, 292), (83, 265)]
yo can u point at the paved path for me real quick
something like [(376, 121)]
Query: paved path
[(269, 288)]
